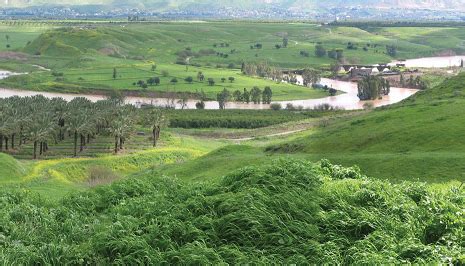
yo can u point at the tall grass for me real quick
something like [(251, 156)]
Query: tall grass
[(285, 212)]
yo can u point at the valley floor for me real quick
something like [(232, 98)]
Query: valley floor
[(199, 155)]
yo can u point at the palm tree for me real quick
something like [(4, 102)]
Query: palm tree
[(40, 130), (155, 119), (122, 126)]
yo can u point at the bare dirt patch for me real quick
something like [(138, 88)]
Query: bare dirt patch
[(13, 56)]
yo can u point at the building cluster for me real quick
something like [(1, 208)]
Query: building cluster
[(392, 72)]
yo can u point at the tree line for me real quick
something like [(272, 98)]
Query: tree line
[(373, 87), (41, 121), (263, 70), (255, 95)]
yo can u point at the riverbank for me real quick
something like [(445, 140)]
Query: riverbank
[(348, 100)]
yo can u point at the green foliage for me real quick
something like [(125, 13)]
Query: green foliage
[(10, 169), (320, 51), (222, 98), (372, 88), (284, 212), (391, 50), (234, 118)]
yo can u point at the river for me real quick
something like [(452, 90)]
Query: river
[(433, 62), (348, 100)]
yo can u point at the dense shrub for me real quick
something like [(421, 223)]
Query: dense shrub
[(235, 118), (286, 212)]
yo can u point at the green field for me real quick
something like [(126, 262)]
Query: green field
[(86, 53)]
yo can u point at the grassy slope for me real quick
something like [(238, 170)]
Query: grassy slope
[(56, 178), (10, 169), (419, 138)]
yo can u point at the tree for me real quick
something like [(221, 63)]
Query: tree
[(320, 51), (154, 67), (200, 76), (385, 86), (189, 80), (304, 53), (267, 95), (223, 80), (276, 106), (246, 96), (156, 80), (174, 81), (211, 82), (334, 67), (151, 81), (231, 79), (337, 54), (285, 42), (256, 94), (310, 76), (140, 83), (156, 120), (117, 97), (391, 50), (222, 98), (332, 91), (237, 95), (352, 46), (372, 88), (115, 73), (183, 101), (200, 105), (402, 80), (121, 126), (39, 131)]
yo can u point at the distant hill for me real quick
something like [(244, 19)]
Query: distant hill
[(163, 5)]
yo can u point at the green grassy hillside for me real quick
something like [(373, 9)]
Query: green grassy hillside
[(421, 137), (85, 54), (10, 169), (55, 178), (161, 41)]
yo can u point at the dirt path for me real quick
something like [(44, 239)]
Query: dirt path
[(271, 135), (42, 68)]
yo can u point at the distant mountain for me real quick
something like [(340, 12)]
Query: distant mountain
[(164, 5)]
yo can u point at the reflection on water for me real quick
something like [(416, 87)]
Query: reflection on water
[(349, 99), (433, 62)]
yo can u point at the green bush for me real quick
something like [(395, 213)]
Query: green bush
[(235, 118)]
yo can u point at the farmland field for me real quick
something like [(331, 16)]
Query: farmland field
[(85, 55)]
